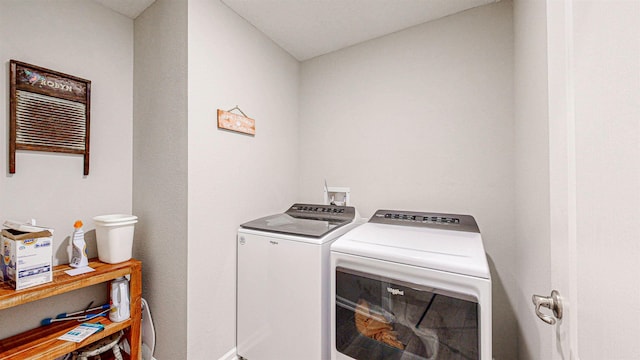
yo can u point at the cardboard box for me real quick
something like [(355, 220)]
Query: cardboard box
[(27, 256)]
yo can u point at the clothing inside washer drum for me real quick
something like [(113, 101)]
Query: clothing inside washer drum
[(375, 325), (425, 322), (376, 334)]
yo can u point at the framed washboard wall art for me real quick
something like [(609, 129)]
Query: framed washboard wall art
[(50, 111)]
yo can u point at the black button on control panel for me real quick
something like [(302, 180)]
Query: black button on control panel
[(454, 222), (320, 209), (422, 219), (322, 212)]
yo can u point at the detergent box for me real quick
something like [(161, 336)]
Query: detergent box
[(27, 255)]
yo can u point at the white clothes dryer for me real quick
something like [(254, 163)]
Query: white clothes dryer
[(283, 284), (411, 285)]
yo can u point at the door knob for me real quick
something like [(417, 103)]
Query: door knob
[(552, 302)]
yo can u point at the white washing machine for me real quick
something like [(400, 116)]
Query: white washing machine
[(411, 285), (283, 282)]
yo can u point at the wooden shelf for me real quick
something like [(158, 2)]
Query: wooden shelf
[(63, 283), (42, 342)]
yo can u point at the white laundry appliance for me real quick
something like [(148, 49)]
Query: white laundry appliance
[(411, 285), (283, 276)]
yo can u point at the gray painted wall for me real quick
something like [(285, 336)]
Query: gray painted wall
[(84, 39), (233, 178), (194, 184), (423, 120), (160, 163)]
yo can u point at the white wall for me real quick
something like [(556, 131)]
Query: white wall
[(607, 132), (601, 135), (84, 39), (532, 202), (160, 169), (423, 120), (232, 178)]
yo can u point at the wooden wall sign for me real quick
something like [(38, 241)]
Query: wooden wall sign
[(50, 112), (235, 122)]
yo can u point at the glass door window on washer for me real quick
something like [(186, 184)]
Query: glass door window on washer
[(379, 318)]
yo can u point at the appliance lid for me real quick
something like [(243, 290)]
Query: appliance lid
[(307, 220), (443, 246)]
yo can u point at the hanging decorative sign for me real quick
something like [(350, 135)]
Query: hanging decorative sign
[(235, 122), (50, 112)]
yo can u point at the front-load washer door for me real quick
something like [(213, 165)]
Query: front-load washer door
[(378, 318)]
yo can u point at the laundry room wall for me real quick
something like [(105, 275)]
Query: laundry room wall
[(532, 197), (160, 169), (232, 178), (422, 119), (87, 40)]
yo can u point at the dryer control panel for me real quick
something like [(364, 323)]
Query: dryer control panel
[(424, 219)]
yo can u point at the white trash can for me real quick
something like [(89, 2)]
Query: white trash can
[(114, 237)]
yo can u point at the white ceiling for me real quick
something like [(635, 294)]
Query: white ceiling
[(129, 8), (308, 28)]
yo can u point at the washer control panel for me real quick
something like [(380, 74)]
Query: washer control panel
[(322, 212), (424, 219)]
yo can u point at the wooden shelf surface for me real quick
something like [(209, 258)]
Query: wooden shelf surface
[(42, 343), (63, 282)]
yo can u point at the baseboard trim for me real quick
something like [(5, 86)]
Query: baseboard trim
[(230, 355)]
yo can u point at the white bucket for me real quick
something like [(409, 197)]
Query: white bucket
[(114, 236)]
